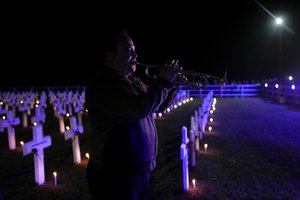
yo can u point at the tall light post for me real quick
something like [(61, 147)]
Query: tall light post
[(279, 23)]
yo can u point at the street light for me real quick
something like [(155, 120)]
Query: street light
[(279, 22)]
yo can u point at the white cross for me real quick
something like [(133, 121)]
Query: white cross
[(59, 113), (196, 130), (184, 158), (78, 109), (39, 115), (37, 146), (192, 149), (72, 133), (24, 107), (9, 123)]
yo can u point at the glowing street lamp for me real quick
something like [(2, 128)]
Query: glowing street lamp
[(279, 22)]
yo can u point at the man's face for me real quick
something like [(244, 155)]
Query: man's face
[(125, 57)]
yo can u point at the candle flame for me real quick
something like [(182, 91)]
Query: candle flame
[(194, 183)]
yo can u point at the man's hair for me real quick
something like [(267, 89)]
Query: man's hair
[(113, 40), (110, 41)]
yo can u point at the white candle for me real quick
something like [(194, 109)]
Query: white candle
[(194, 183), (55, 178), (205, 147)]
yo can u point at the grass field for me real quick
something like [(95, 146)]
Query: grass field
[(253, 153)]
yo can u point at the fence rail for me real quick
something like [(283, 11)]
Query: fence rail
[(283, 94), (230, 90)]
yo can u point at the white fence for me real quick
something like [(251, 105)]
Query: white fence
[(228, 90), (283, 94)]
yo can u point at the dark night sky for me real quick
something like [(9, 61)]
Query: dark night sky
[(206, 37)]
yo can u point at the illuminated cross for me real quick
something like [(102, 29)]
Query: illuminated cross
[(72, 133), (24, 107), (200, 119), (78, 109), (39, 115), (184, 158), (8, 122), (196, 130), (36, 146)]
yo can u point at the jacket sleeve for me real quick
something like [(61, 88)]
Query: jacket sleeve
[(169, 100)]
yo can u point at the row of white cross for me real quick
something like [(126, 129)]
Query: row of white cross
[(27, 101), (66, 105), (190, 145)]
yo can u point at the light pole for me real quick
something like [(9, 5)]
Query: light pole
[(279, 23)]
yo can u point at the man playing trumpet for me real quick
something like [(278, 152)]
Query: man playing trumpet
[(123, 136)]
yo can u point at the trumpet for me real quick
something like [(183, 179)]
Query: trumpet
[(186, 78)]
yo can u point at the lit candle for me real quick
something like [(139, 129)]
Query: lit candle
[(211, 119), (68, 128), (34, 123), (22, 143), (55, 178), (159, 114), (210, 128), (87, 155), (194, 183), (205, 147)]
